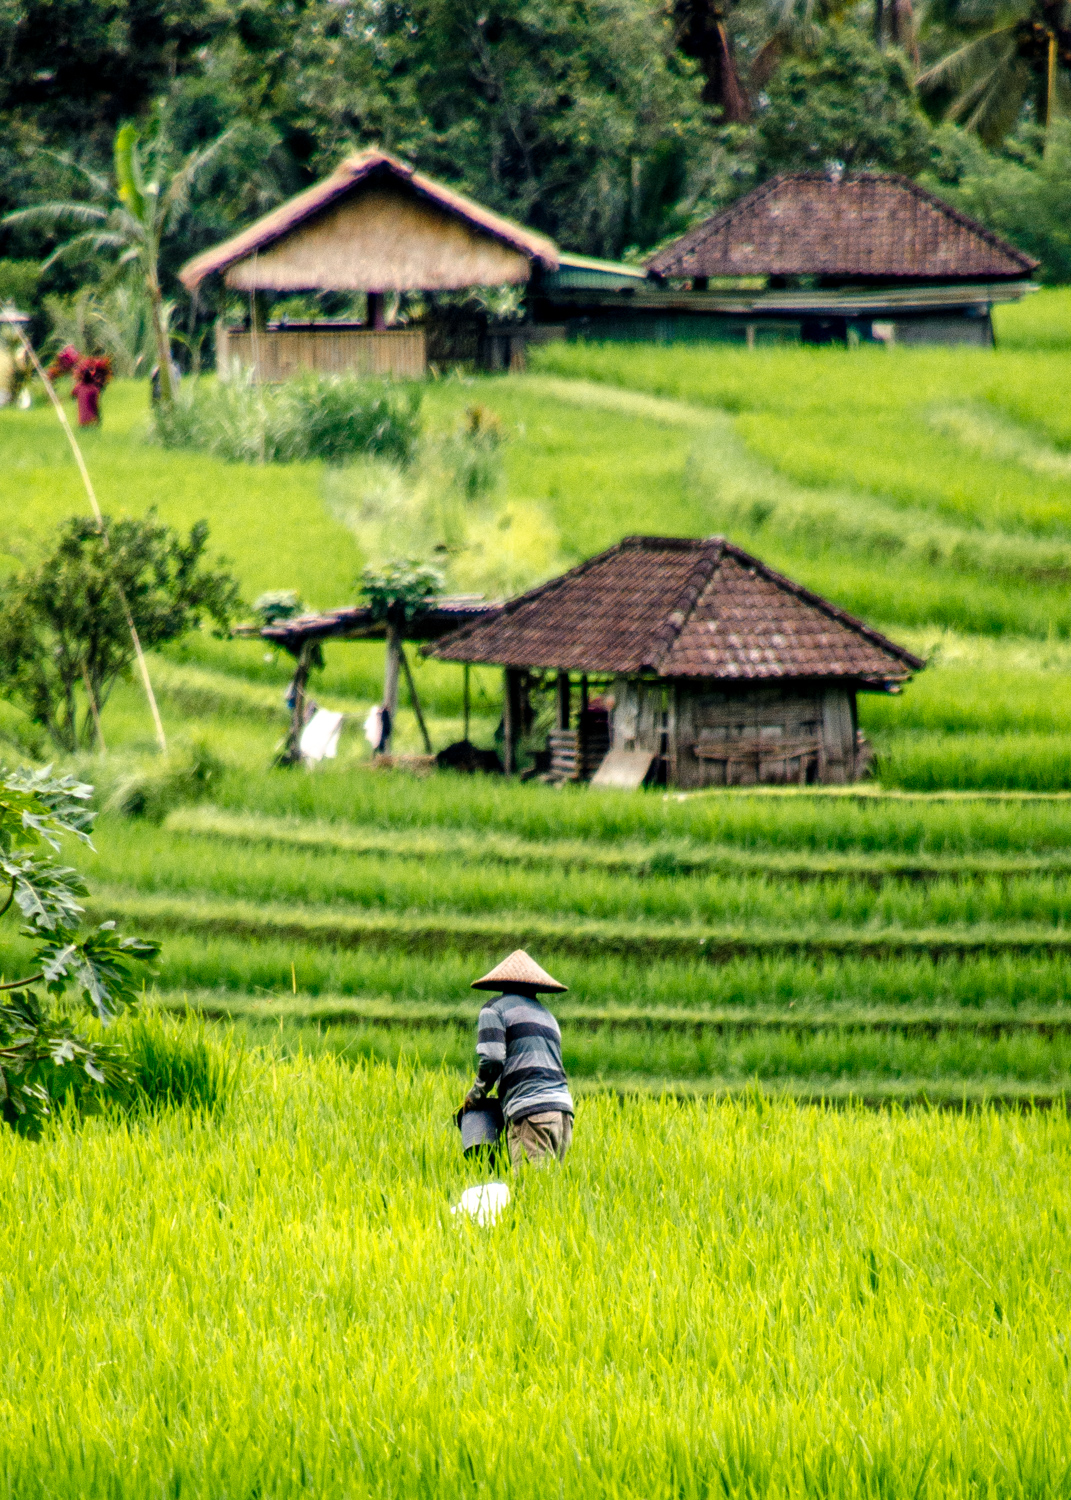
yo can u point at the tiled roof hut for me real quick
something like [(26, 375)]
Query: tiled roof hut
[(375, 226), (882, 249), (721, 671)]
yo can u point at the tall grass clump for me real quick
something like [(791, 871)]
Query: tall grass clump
[(333, 418), (179, 1063)]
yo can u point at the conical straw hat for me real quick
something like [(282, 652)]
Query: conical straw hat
[(519, 969)]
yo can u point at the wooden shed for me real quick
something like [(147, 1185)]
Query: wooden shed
[(374, 226), (711, 669)]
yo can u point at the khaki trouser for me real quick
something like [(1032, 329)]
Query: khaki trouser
[(540, 1137)]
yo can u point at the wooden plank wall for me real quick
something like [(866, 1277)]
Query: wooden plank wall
[(768, 735), (394, 353)]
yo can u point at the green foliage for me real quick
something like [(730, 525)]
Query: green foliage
[(18, 283), (276, 605), (1023, 192), (154, 786), (116, 322), (403, 587), (333, 418), (63, 625), (41, 1059), (847, 103)]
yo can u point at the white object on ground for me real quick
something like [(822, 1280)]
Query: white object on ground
[(624, 769), (483, 1203), (319, 738), (373, 727)]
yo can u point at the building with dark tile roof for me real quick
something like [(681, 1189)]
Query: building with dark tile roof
[(826, 257), (718, 669)]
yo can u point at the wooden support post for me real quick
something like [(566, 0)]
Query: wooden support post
[(258, 312), (292, 753), (414, 700), (467, 703), (376, 314), (390, 681), (564, 705), (511, 719), (583, 695)]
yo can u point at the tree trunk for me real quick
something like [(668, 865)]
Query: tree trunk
[(163, 343)]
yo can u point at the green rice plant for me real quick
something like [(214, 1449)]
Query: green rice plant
[(667, 857), (333, 418), (278, 968), (935, 762), (857, 819), (776, 1271), (1039, 322), (321, 882), (417, 932), (727, 1056), (176, 1064)]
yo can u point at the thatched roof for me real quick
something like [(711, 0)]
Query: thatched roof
[(674, 607), (356, 175), (859, 225)]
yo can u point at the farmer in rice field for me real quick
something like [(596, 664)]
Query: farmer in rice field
[(519, 1047)]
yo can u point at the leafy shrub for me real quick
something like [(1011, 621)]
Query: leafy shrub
[(333, 418), (152, 788)]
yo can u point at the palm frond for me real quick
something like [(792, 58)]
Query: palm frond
[(964, 64), (182, 181), (90, 241), (999, 106), (47, 214), (99, 184)]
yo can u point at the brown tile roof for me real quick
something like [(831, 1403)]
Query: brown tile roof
[(347, 176), (680, 608), (861, 225)]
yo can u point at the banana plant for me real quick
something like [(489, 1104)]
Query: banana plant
[(130, 216)]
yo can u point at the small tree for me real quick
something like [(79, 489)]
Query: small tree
[(64, 639), (41, 1057)]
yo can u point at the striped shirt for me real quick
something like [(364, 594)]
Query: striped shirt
[(519, 1042)]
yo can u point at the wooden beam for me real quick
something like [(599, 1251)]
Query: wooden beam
[(511, 719), (564, 704), (467, 702), (292, 753), (414, 700), (390, 680)]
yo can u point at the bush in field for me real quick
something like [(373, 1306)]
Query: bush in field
[(333, 418), (64, 631), (41, 1058)]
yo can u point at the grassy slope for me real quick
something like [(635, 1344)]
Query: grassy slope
[(927, 489)]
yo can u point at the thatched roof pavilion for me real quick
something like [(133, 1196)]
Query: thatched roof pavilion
[(721, 669), (376, 226)]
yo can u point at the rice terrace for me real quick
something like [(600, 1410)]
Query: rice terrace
[(412, 649)]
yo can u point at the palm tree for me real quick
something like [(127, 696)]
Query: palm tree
[(1020, 54), (131, 216)]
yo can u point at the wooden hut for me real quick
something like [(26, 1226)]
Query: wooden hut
[(374, 226), (822, 257), (711, 669)]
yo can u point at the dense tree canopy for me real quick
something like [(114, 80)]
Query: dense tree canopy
[(609, 124)]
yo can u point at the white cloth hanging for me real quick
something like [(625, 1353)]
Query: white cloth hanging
[(319, 738)]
